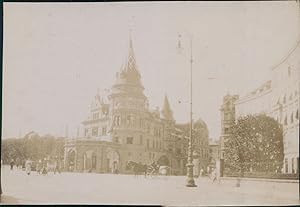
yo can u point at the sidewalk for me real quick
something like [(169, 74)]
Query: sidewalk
[(261, 180)]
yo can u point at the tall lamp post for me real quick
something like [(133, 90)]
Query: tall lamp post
[(190, 165)]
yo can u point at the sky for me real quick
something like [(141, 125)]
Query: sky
[(57, 55)]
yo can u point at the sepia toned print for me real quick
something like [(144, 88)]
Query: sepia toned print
[(172, 104)]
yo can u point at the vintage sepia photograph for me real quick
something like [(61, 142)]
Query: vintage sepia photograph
[(151, 103)]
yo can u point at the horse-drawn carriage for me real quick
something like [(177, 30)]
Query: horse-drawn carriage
[(147, 170)]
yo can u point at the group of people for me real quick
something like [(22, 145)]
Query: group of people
[(212, 173), (41, 167)]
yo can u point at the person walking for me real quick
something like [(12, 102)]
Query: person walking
[(12, 163), (201, 172), (39, 167), (28, 166), (214, 175)]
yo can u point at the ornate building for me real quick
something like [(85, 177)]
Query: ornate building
[(123, 128), (278, 98)]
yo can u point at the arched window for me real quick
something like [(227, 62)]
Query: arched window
[(292, 118)]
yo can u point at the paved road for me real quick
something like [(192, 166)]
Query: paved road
[(115, 189)]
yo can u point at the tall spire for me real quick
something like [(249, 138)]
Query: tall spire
[(166, 111), (131, 62)]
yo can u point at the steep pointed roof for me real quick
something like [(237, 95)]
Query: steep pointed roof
[(129, 74), (130, 69), (166, 111)]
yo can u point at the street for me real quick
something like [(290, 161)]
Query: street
[(126, 189)]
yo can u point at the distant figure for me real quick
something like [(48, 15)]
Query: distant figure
[(12, 163), (39, 167), (214, 175), (28, 166), (57, 166), (44, 167), (201, 172)]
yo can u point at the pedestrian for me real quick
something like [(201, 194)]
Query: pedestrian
[(214, 175), (28, 166), (12, 163), (39, 167), (201, 172)]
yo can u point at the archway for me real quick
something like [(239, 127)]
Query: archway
[(89, 161), (112, 160), (71, 160)]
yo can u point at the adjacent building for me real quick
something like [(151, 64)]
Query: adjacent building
[(122, 128), (214, 153), (278, 98)]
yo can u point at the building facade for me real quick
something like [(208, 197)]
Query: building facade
[(214, 153), (278, 98), (122, 128)]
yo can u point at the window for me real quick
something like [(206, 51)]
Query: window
[(141, 139), (293, 170), (116, 139), (129, 140), (292, 118), (86, 131), (297, 114), (141, 123), (148, 143), (286, 165), (117, 120), (96, 116), (153, 144), (285, 121), (128, 120), (103, 130), (284, 99), (95, 131)]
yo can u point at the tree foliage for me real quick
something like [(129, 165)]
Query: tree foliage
[(255, 143), (34, 147)]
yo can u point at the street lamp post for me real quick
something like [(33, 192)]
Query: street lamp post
[(190, 165)]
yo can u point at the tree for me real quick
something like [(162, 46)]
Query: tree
[(255, 144)]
